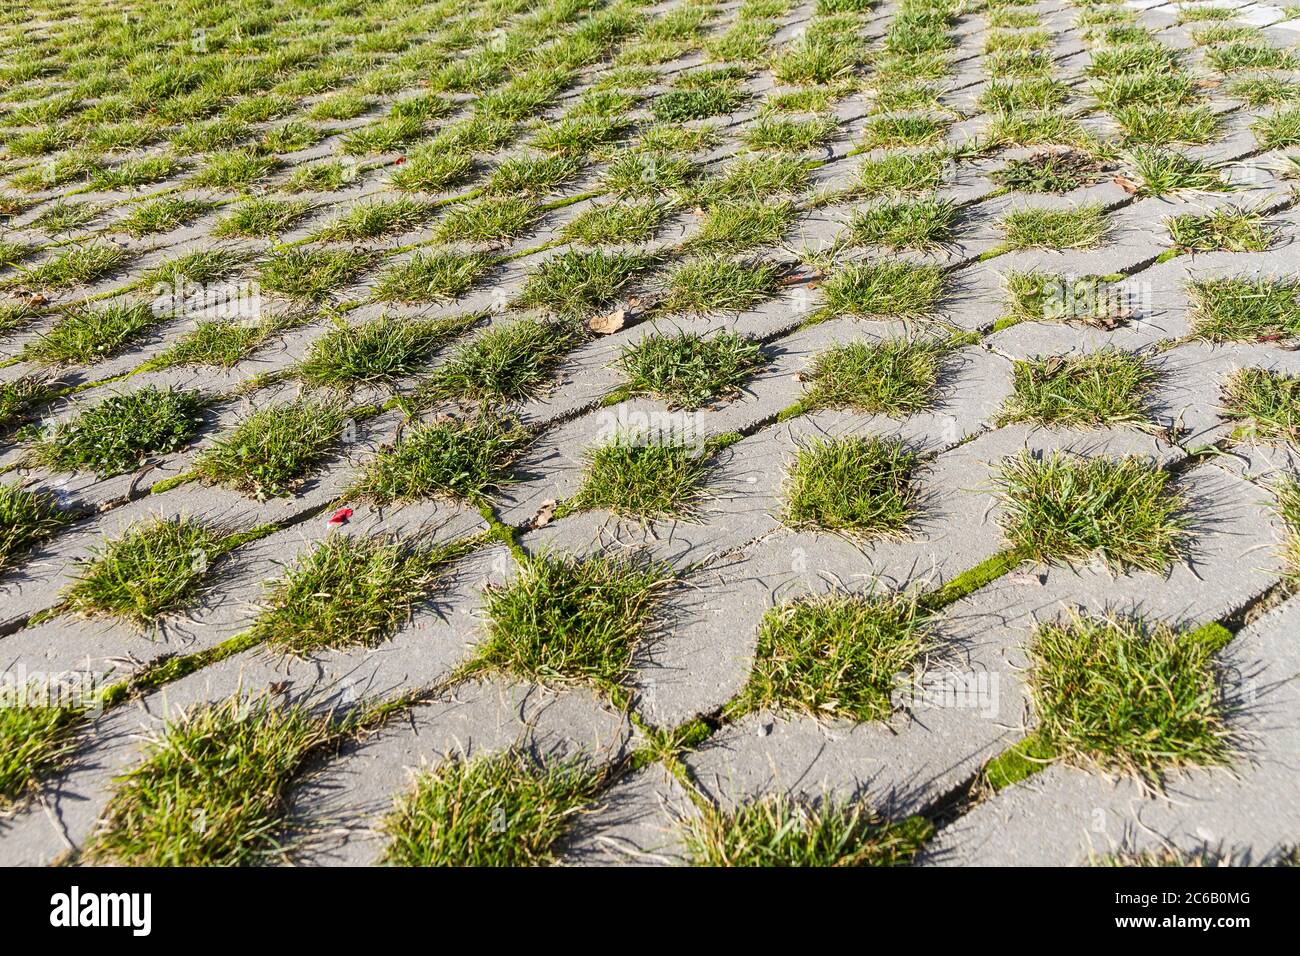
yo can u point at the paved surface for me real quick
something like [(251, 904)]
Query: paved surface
[(743, 559)]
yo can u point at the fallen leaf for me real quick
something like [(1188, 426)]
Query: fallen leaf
[(545, 513), (278, 687), (607, 324), (1126, 184), (340, 517)]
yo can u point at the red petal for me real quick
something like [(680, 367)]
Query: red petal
[(341, 516)]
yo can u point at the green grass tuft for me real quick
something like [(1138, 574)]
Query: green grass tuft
[(636, 477), (270, 452), (1266, 403), (348, 592), (835, 657), (895, 377), (117, 434), (463, 460), (380, 351), (570, 619), (1105, 387), (777, 830), (505, 809), (1241, 309), (884, 289), (154, 568), (509, 363), (688, 370), (1127, 695), (1065, 508), (1081, 228), (35, 742), (26, 519), (212, 789), (863, 487)]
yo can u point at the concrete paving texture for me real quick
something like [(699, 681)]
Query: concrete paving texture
[(754, 307)]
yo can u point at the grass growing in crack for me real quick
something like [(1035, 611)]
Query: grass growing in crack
[(156, 567), (1156, 126), (647, 174), (636, 477), (324, 177), (718, 283), (1106, 387), (348, 592), (510, 363), (463, 460), (565, 618), (615, 224), (203, 266), (531, 175), (85, 334), (1164, 172), (228, 765), (1037, 129), (262, 218), (1260, 91), (20, 397), (676, 106), (1052, 171), (1036, 296), (1070, 509), (835, 657), (1038, 93), (78, 265), (162, 215), (1148, 89), (1278, 130), (735, 226), (904, 224), (64, 216), (1083, 227), (778, 830), (432, 276), (375, 219), (1287, 491), (887, 132), (1266, 402), (1250, 55), (26, 519), (35, 742), (863, 487), (577, 284), (1241, 309), (311, 273), (1223, 230), (453, 815), (902, 172), (688, 370), (492, 219), (117, 434), (382, 350), (895, 377), (790, 136), (235, 169), (750, 179), (890, 289), (1127, 695), (270, 452), (220, 343)]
